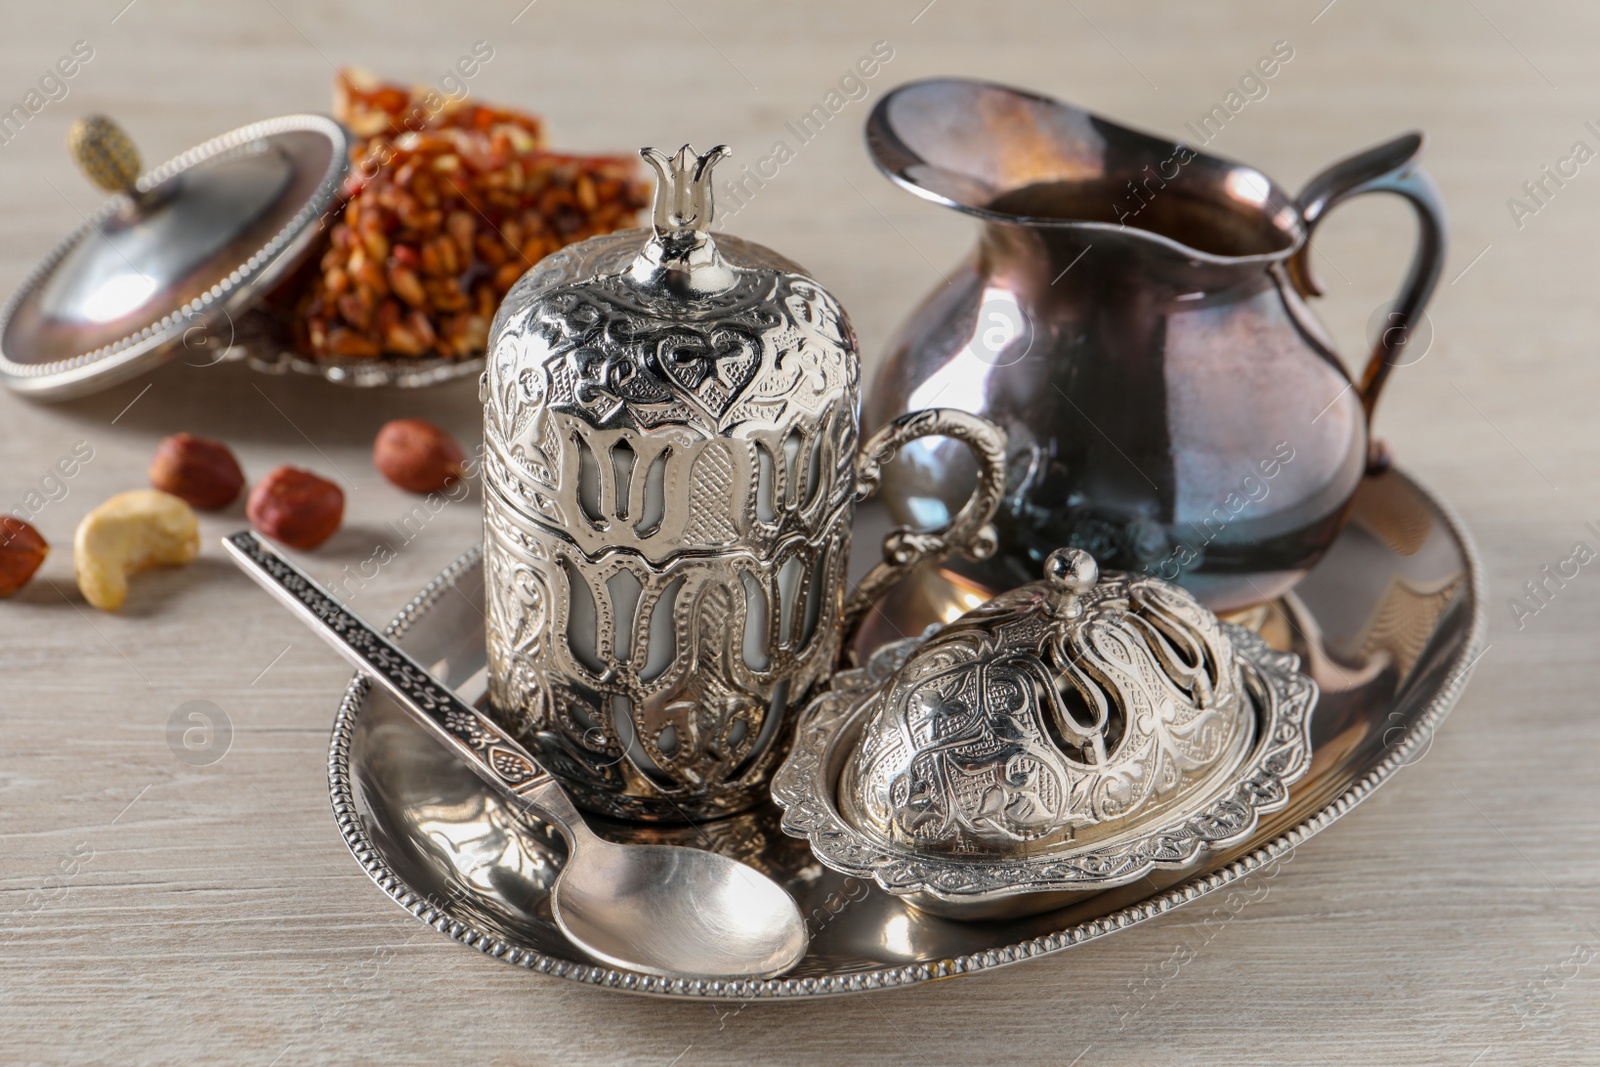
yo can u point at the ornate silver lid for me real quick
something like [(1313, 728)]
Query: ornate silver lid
[(173, 254), (672, 270), (1065, 736)]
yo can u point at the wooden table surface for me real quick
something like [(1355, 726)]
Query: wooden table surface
[(157, 911)]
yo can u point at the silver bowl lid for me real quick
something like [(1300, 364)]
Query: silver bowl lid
[(1067, 735), (173, 254)]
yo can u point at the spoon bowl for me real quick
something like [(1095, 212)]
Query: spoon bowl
[(670, 910)]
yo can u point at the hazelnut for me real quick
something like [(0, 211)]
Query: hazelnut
[(417, 456), (296, 507), (21, 552), (199, 471)]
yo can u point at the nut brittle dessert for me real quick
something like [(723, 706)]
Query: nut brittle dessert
[(447, 203)]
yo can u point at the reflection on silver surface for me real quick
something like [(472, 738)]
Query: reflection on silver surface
[(1388, 624), (1146, 340), (215, 202), (206, 236)]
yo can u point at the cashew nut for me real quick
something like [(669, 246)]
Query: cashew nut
[(131, 531)]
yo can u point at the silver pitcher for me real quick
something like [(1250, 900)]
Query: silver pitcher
[(1136, 315), (671, 426)]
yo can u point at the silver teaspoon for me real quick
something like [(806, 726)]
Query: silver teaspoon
[(661, 909)]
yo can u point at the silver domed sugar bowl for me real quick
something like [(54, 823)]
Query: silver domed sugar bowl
[(672, 464), (1065, 737)]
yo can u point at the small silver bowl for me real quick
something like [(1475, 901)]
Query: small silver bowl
[(1061, 739), (263, 341)]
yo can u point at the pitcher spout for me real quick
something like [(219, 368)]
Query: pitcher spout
[(1015, 158)]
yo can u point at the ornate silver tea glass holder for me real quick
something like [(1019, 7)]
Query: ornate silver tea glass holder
[(673, 463)]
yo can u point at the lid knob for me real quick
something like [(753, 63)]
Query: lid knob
[(683, 188), (1071, 572), (681, 258), (105, 153)]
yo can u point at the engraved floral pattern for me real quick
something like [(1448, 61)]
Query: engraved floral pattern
[(667, 519), (1015, 726)]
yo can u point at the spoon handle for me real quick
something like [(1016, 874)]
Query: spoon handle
[(494, 754)]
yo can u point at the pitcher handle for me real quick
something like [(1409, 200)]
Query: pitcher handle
[(971, 532), (1388, 168)]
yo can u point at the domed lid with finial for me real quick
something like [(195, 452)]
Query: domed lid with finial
[(1055, 712), (669, 333), (674, 263)]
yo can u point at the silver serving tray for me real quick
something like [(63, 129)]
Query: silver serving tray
[(1390, 624)]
